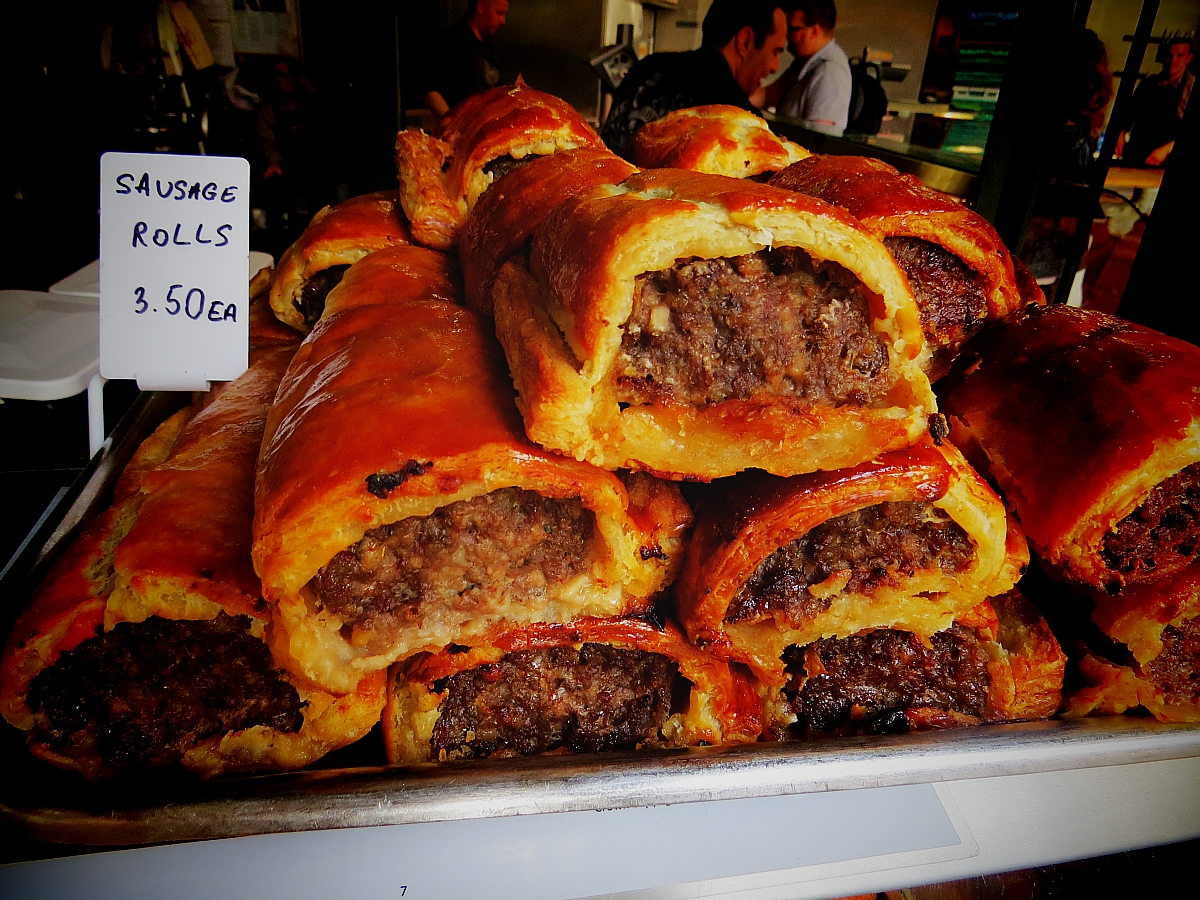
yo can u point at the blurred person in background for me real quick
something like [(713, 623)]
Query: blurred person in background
[(816, 87), (293, 128), (463, 60), (740, 46), (1087, 88), (1158, 106)]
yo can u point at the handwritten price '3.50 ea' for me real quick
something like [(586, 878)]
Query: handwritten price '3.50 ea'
[(192, 305)]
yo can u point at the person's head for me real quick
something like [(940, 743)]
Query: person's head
[(750, 34), (1179, 58), (487, 16), (810, 26)]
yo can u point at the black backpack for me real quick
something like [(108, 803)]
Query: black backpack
[(868, 100)]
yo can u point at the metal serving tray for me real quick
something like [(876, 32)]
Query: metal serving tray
[(353, 787)]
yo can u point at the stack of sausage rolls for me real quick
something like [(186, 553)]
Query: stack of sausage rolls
[(465, 483), (1089, 425)]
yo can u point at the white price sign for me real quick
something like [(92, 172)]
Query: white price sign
[(174, 249)]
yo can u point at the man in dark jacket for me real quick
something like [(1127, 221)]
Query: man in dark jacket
[(740, 46), (463, 59)]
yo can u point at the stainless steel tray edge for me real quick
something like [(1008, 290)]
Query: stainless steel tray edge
[(350, 798)]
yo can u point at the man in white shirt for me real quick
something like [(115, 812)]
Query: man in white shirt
[(815, 90)]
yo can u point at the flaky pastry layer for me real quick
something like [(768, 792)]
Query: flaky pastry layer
[(562, 323), (442, 176), (724, 704), (392, 411), (1077, 415), (755, 515), (337, 236), (506, 216), (717, 139)]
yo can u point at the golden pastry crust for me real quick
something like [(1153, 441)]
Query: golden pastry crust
[(1024, 665), (562, 326), (68, 606), (337, 236), (1148, 619), (397, 275), (176, 545), (396, 410), (442, 176), (717, 139), (1028, 666), (724, 704), (507, 215), (1078, 416), (893, 205), (756, 515)]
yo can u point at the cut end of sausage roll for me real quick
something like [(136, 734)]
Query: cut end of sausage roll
[(958, 268), (145, 647), (587, 686), (482, 139), (202, 694), (399, 520), (506, 216), (1155, 660), (907, 541), (337, 237), (694, 326), (717, 139), (998, 662), (1090, 426)]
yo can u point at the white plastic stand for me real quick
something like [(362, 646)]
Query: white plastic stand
[(50, 349)]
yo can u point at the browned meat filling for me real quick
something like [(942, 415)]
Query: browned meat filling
[(586, 700), (1162, 535), (875, 544), (950, 295), (511, 541), (502, 165), (1176, 670), (771, 324), (142, 694), (868, 680), (314, 291)]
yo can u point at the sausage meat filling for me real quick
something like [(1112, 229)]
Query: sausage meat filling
[(1160, 536), (511, 543), (876, 544), (502, 165), (586, 700), (1176, 670), (142, 694), (775, 323), (949, 294), (314, 291), (864, 683)]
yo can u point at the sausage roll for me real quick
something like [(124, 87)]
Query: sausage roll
[(1090, 426), (68, 606), (694, 325), (586, 686), (508, 214), (720, 140), (336, 238), (907, 541), (1144, 651), (146, 646), (959, 270), (483, 138), (998, 662), (397, 276), (400, 506)]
